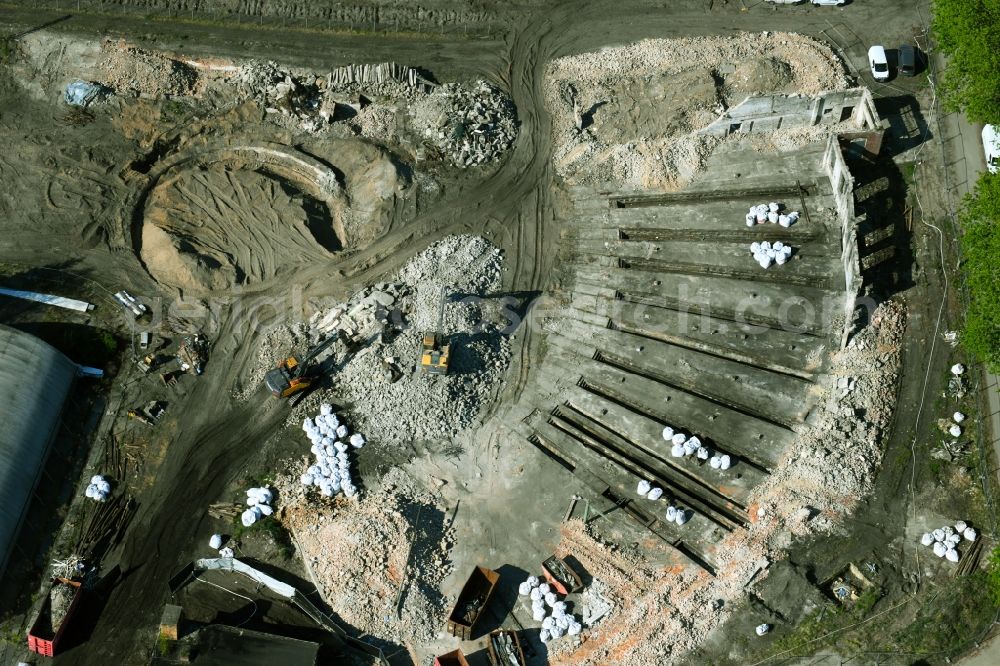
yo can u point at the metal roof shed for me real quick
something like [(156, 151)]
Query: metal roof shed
[(34, 381)]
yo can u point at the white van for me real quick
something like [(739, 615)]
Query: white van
[(991, 148), (879, 63)]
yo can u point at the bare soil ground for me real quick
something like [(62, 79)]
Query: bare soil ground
[(78, 186)]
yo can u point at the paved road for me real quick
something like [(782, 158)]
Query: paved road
[(964, 155)]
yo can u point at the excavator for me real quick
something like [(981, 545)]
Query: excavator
[(436, 348), (294, 376)]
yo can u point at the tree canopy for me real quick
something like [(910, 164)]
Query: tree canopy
[(968, 32), (981, 248)]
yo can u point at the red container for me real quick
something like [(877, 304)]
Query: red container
[(455, 658), (43, 638)]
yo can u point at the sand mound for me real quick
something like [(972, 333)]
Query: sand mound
[(642, 106), (217, 227)]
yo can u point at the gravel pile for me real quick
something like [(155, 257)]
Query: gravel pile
[(363, 552), (131, 71), (470, 125), (631, 115), (660, 614), (416, 406)]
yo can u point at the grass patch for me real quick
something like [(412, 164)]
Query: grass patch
[(947, 623)]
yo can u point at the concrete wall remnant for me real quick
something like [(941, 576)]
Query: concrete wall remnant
[(766, 113)]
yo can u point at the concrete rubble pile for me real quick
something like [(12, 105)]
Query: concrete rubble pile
[(379, 379), (277, 90), (633, 115), (390, 546), (134, 72), (945, 539), (547, 608), (331, 440), (471, 125)]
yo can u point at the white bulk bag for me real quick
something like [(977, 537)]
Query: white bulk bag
[(265, 509), (764, 261), (227, 553), (548, 623), (938, 534), (957, 369), (783, 220), (349, 490), (793, 216), (702, 453), (678, 438), (357, 440), (248, 518), (557, 632), (940, 549), (559, 607), (780, 258), (543, 635), (524, 589), (751, 219), (948, 531), (307, 424), (960, 526), (677, 450), (762, 629), (681, 517), (754, 247), (774, 207), (969, 534), (544, 588), (668, 433), (533, 581), (536, 594), (927, 539), (341, 447), (655, 493), (96, 479), (643, 487), (538, 614), (671, 513), (341, 431), (550, 598), (951, 555), (562, 622), (715, 462), (326, 409), (772, 218), (955, 430), (307, 479), (725, 462), (958, 417), (574, 628)]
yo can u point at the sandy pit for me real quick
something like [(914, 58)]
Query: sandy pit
[(642, 106), (217, 227)]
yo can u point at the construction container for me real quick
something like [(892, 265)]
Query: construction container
[(505, 649), (43, 637), (472, 601), (561, 576), (453, 658)]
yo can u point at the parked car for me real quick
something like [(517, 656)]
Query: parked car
[(907, 64), (991, 147), (829, 3), (878, 62)]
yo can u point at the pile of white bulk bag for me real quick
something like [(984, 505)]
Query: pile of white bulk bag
[(944, 540), (765, 253), (722, 462), (677, 515), (259, 506), (547, 608), (99, 489), (772, 212), (331, 473)]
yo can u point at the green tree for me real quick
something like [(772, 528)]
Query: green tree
[(980, 219), (968, 32)]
